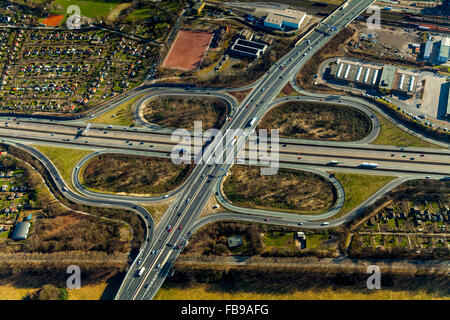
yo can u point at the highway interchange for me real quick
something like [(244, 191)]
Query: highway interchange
[(162, 246)]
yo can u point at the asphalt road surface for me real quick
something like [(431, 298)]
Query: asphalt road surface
[(198, 190), (181, 219)]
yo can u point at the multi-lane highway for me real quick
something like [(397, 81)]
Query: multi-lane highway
[(291, 151), (198, 190), (165, 242)]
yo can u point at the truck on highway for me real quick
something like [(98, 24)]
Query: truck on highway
[(141, 271), (251, 122), (233, 142), (369, 165), (344, 6)]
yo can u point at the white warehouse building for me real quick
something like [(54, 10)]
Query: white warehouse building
[(287, 18)]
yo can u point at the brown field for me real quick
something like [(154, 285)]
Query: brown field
[(172, 291), (133, 174), (178, 112), (317, 122), (240, 95), (287, 90), (288, 190), (188, 50), (53, 20)]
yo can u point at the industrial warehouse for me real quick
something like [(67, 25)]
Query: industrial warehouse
[(443, 50), (284, 19), (386, 78), (247, 48)]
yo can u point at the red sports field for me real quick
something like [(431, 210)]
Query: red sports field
[(187, 50), (53, 20)]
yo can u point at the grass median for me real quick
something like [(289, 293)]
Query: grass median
[(358, 188), (64, 159), (122, 115), (392, 135)]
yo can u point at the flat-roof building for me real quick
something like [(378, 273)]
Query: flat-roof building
[(361, 73), (443, 50), (405, 81), (287, 18), (386, 78), (234, 241), (21, 231), (249, 49), (427, 49), (246, 34), (447, 113)]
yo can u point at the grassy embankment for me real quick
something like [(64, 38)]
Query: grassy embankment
[(240, 95), (390, 134), (287, 91), (157, 210), (88, 8), (64, 159), (359, 187), (122, 115)]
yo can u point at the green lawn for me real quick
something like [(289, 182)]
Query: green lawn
[(391, 224), (122, 115), (367, 241), (379, 241), (389, 241), (314, 241), (393, 135), (359, 187), (403, 242), (140, 14), (279, 240), (64, 159), (88, 8)]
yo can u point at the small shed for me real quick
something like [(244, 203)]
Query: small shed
[(234, 241)]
